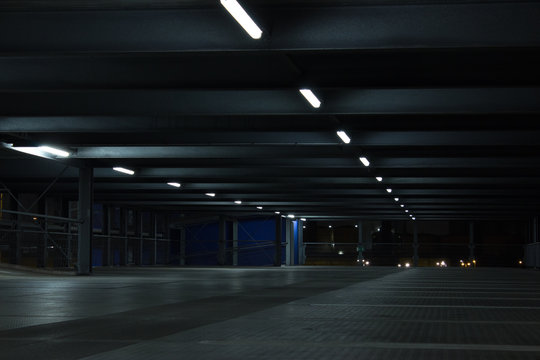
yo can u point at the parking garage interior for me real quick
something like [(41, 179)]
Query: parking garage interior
[(222, 179)]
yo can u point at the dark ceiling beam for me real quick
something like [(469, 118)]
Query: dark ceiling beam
[(276, 102), (430, 140), (286, 28), (170, 126)]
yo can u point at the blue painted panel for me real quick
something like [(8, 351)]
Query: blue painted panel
[(202, 244), (116, 257), (283, 238), (256, 239), (97, 257)]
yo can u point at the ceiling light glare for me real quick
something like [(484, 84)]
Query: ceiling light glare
[(407, 211), (413, 218), (241, 16), (389, 191), (290, 216), (175, 184), (343, 136), (259, 207), (402, 205), (303, 219), (277, 212), (311, 98), (364, 161), (379, 179), (329, 226), (210, 194), (124, 170), (54, 151), (396, 199), (410, 215), (238, 202)]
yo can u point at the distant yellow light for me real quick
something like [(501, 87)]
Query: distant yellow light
[(468, 264), (520, 262)]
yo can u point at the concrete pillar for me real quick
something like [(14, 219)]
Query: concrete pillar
[(471, 240), (289, 240), (222, 241), (43, 205), (141, 241), (360, 227), (124, 232), (107, 258), (182, 246), (415, 244), (86, 192), (235, 242), (534, 232), (277, 259), (301, 248), (155, 227)]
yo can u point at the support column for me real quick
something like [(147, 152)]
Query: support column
[(107, 261), (301, 249), (182, 246), (141, 241), (86, 192), (534, 232), (360, 227), (415, 244), (235, 242), (222, 241), (289, 240), (154, 258), (124, 230), (45, 206), (471, 241), (277, 259)]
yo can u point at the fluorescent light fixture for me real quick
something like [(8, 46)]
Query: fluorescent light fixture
[(240, 15), (389, 190), (277, 212), (54, 151), (355, 226), (329, 226), (396, 199), (379, 179), (406, 210), (303, 219), (343, 136), (175, 184), (413, 218), (364, 160), (304, 226), (124, 170), (259, 207), (290, 216), (210, 194), (311, 98), (238, 202), (410, 215), (340, 252), (402, 205), (41, 151)]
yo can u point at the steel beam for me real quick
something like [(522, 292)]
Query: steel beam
[(490, 24), (350, 101)]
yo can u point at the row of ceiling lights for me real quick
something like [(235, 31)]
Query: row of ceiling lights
[(241, 16)]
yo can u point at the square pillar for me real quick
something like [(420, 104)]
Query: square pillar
[(471, 241), (235, 242), (301, 249), (222, 241), (415, 244), (86, 199), (277, 244)]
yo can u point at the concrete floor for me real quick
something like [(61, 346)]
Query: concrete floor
[(268, 313)]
